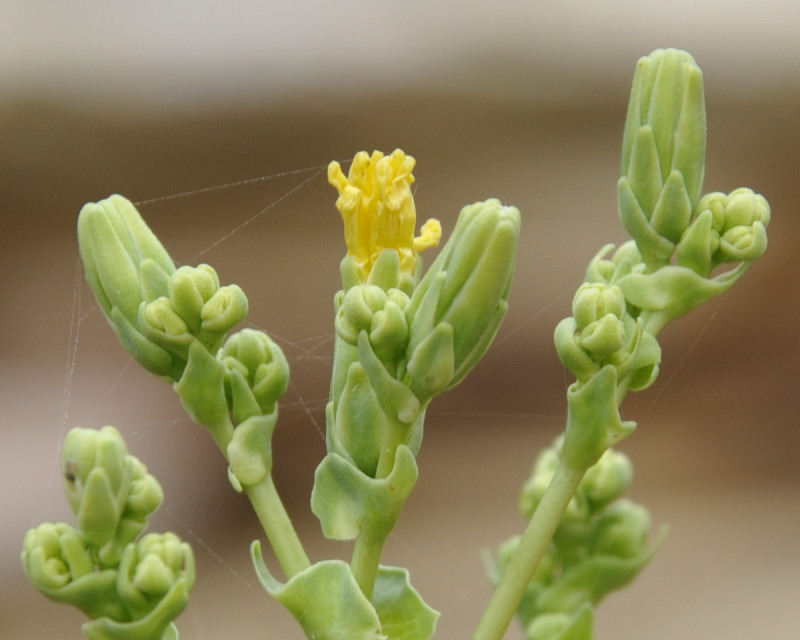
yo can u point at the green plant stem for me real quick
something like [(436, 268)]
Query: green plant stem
[(517, 575), (367, 552), (278, 526)]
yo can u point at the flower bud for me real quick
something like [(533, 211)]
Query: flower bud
[(726, 228), (156, 310), (189, 289), (114, 242), (598, 310), (607, 480), (626, 259), (152, 568), (155, 578), (109, 491), (357, 307), (125, 266), (622, 531), (594, 300), (256, 373), (663, 152), (378, 312), (457, 308), (57, 561)]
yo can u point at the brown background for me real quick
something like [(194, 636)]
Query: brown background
[(717, 450)]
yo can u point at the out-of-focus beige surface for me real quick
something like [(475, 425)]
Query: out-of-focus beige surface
[(717, 451)]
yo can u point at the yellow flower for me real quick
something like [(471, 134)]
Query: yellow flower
[(378, 210)]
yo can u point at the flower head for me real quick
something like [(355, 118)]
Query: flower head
[(378, 210)]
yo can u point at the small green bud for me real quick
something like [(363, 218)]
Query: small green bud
[(726, 228), (55, 555), (162, 324), (547, 626), (622, 531), (562, 626), (457, 308), (600, 332), (593, 301), (663, 152), (125, 265), (58, 562), (158, 566), (256, 373), (109, 491), (379, 312), (114, 242), (189, 289), (156, 310), (607, 480), (626, 259)]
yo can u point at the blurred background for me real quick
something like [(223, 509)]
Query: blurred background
[(219, 119)]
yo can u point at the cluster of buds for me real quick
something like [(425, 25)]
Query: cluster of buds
[(679, 240), (157, 311), (601, 544), (682, 237), (130, 588), (174, 322), (402, 339)]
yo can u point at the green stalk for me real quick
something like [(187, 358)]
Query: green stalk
[(278, 526), (517, 576), (366, 559)]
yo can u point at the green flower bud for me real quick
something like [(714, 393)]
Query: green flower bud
[(114, 242), (548, 626), (625, 260), (162, 324), (58, 562), (159, 566), (189, 289), (600, 332), (593, 301), (726, 228), (607, 479), (598, 310), (256, 373), (109, 491), (379, 312), (125, 265), (156, 310), (457, 308), (223, 310), (663, 152), (622, 531), (563, 626)]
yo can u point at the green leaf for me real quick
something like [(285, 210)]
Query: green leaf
[(347, 501), (340, 610), (593, 421), (403, 613)]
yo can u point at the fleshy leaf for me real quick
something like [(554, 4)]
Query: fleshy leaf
[(403, 613), (593, 421), (340, 610), (347, 501)]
